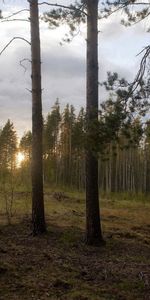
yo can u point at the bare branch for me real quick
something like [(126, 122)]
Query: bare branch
[(136, 3), (30, 91), (141, 72), (63, 6), (14, 38), (24, 20), (129, 2), (16, 13), (22, 65), (122, 6), (145, 48)]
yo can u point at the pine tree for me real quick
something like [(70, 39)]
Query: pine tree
[(67, 125), (25, 145), (8, 151), (87, 10), (93, 226), (78, 151), (38, 215), (51, 143), (8, 147)]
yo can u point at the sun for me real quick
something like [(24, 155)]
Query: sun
[(19, 159)]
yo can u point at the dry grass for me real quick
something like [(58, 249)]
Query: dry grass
[(59, 265)]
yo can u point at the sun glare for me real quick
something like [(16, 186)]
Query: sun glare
[(20, 158)]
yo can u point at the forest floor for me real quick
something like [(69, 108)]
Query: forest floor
[(58, 265)]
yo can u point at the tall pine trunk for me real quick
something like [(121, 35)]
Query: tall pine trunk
[(38, 217), (93, 226)]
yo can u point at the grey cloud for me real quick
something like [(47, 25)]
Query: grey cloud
[(112, 28), (63, 70), (60, 62)]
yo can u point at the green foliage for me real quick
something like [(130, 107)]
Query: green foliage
[(8, 146), (134, 11), (50, 141), (136, 14), (134, 101), (8, 151), (51, 128), (26, 145), (118, 138), (147, 132), (73, 16), (78, 135)]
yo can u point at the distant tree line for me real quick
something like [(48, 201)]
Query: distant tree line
[(123, 150)]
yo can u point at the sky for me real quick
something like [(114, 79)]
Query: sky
[(63, 67)]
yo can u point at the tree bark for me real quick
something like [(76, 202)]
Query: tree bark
[(93, 226), (38, 216)]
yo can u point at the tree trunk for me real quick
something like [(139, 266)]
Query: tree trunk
[(93, 227), (38, 217)]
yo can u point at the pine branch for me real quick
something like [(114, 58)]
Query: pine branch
[(122, 5), (71, 7), (112, 12)]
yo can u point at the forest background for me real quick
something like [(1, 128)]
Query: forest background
[(123, 148), (58, 257)]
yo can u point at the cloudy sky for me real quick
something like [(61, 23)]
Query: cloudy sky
[(63, 67)]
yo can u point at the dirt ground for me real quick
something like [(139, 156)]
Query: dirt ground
[(58, 265)]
